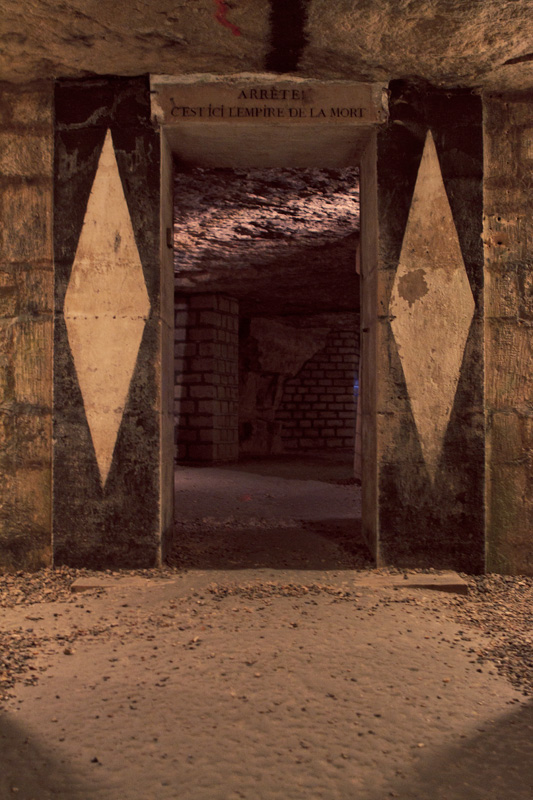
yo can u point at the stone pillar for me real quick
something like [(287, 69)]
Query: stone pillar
[(112, 320), (207, 378), (508, 237), (26, 301), (422, 329)]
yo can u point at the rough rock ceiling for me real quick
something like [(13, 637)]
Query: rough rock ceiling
[(281, 240), (475, 43)]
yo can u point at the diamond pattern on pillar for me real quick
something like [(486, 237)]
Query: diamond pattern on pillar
[(106, 307), (431, 307)]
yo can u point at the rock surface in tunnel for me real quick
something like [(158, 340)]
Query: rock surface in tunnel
[(280, 240), (448, 42)]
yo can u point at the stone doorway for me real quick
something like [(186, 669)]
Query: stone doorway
[(266, 361), (422, 383), (274, 336)]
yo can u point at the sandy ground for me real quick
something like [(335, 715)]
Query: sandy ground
[(274, 678)]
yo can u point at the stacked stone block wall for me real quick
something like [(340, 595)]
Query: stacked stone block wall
[(508, 234), (26, 329), (318, 407), (206, 378)]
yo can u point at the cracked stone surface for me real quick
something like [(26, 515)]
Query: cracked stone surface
[(280, 240), (449, 42)]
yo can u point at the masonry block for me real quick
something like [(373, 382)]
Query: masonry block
[(508, 331), (25, 154), (26, 270), (314, 406), (26, 231), (212, 371)]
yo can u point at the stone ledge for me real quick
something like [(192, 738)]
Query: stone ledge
[(108, 582), (442, 582)]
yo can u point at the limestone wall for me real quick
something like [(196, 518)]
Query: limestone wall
[(206, 378), (508, 235), (318, 405), (296, 383), (26, 305)]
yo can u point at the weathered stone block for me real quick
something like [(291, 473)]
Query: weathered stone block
[(509, 349), (501, 293), (181, 319), (510, 538), (33, 493), (32, 438), (210, 318), (200, 334), (7, 440), (507, 443), (26, 231), (202, 392), (203, 301), (25, 504), (33, 362), (186, 435), (207, 406), (182, 385), (33, 108), (184, 350), (187, 407), (8, 295), (201, 365), (35, 290), (25, 155)]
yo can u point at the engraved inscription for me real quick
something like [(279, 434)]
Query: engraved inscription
[(311, 102), (211, 111)]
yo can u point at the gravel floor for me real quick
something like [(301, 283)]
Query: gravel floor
[(500, 607), (254, 666), (263, 684)]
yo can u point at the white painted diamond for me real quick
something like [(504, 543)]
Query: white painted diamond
[(106, 307), (431, 307)]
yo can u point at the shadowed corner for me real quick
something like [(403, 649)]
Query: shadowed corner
[(30, 770), (495, 763)]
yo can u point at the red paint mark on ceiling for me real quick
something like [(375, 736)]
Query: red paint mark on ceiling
[(220, 16)]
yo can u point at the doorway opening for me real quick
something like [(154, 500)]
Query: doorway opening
[(266, 367), (266, 235)]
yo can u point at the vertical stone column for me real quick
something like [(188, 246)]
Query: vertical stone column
[(111, 324), (26, 301), (509, 330), (422, 328), (207, 378)]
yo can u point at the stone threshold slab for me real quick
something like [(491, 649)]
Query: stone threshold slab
[(441, 582)]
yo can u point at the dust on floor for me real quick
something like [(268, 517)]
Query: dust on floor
[(275, 677)]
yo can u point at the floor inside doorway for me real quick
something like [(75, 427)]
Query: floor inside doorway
[(284, 512)]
